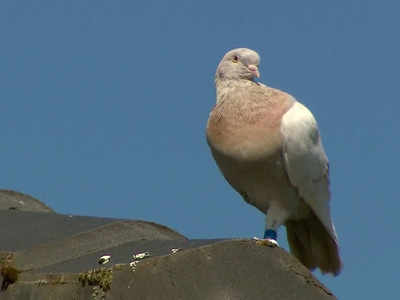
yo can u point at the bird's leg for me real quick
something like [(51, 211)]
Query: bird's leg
[(270, 234), (270, 237), (274, 218)]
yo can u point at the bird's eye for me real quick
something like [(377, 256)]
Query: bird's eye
[(235, 59)]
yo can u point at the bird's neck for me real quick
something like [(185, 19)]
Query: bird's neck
[(226, 86)]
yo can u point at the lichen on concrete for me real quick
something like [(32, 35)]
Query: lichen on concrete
[(100, 279)]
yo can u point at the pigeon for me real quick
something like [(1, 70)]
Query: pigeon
[(268, 147)]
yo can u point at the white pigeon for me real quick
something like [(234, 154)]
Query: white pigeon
[(268, 147)]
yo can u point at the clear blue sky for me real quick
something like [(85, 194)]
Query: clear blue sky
[(104, 106)]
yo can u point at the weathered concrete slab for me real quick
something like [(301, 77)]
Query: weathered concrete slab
[(49, 256), (11, 200), (235, 269)]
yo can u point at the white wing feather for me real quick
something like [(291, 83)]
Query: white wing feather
[(306, 162)]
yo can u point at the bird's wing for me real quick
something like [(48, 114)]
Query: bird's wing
[(306, 162)]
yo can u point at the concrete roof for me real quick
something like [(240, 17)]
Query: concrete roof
[(51, 251)]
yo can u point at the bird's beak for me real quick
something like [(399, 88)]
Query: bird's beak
[(253, 69)]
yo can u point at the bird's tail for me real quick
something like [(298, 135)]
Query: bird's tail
[(312, 244)]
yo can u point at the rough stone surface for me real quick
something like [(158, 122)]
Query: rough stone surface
[(17, 201), (236, 269), (49, 256)]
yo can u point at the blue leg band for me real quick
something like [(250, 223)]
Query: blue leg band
[(270, 234)]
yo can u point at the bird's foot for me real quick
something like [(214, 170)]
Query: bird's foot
[(266, 242)]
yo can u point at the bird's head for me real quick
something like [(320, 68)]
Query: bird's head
[(240, 63)]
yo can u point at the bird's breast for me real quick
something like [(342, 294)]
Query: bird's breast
[(245, 143), (247, 131)]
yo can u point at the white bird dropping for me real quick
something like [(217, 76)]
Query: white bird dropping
[(105, 259)]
